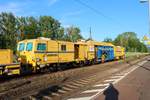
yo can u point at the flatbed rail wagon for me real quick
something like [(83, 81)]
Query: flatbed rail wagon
[(7, 66)]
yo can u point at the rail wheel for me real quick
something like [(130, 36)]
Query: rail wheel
[(81, 64)]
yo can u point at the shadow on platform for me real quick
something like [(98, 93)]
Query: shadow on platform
[(111, 93)]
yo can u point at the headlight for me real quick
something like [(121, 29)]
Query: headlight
[(6, 70), (45, 58), (19, 59), (38, 63)]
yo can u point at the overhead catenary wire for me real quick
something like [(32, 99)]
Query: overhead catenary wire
[(98, 12)]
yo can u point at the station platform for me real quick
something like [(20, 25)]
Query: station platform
[(131, 84)]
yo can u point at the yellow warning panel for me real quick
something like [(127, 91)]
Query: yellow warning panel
[(145, 38), (148, 42)]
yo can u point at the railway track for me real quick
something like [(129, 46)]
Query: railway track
[(60, 84), (66, 89)]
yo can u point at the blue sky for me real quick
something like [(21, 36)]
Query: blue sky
[(122, 15)]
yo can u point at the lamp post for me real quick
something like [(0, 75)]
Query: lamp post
[(147, 1)]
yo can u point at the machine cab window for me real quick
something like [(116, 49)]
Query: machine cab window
[(21, 47), (29, 46), (41, 46)]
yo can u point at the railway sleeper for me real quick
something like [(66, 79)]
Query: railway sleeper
[(47, 98), (71, 86)]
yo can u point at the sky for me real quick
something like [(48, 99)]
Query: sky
[(107, 18)]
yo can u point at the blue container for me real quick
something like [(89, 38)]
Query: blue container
[(107, 51)]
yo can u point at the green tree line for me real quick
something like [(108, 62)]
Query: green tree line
[(13, 29), (130, 41)]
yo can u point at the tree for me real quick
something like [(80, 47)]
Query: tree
[(73, 34), (45, 26), (8, 30), (60, 34), (18, 28), (109, 40), (50, 27), (130, 41), (28, 27)]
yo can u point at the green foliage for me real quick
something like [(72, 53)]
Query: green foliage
[(8, 30), (130, 41), (45, 26), (13, 29), (28, 28), (73, 34), (109, 40), (50, 27)]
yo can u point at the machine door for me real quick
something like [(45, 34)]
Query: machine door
[(76, 49), (99, 52), (96, 53)]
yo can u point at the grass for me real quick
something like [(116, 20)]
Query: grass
[(129, 54)]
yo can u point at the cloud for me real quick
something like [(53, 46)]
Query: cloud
[(52, 2), (25, 7), (9, 7), (73, 13), (66, 26), (16, 8), (69, 16)]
